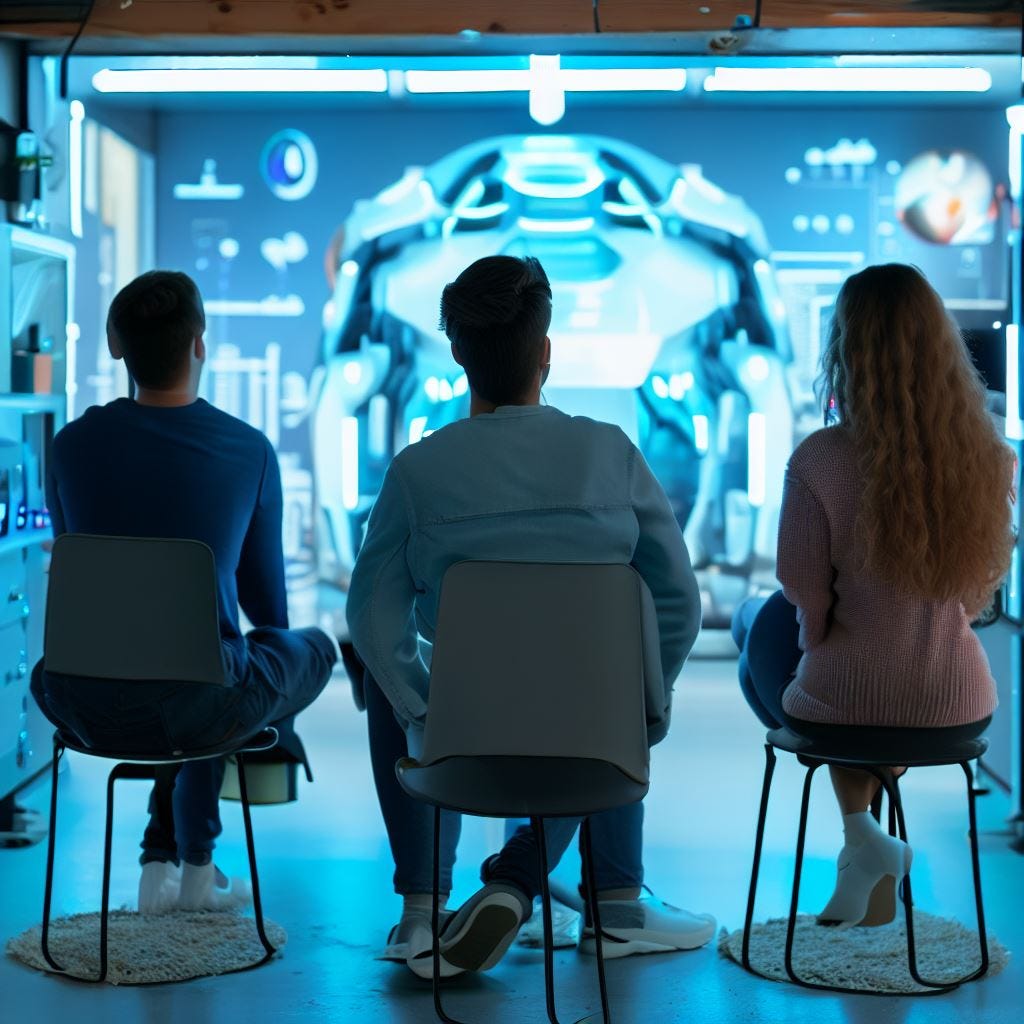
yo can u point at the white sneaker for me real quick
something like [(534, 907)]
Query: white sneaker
[(565, 926), (159, 887), (206, 888), (646, 925), (479, 933), (411, 942)]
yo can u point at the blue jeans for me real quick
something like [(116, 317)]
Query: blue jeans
[(286, 671), (768, 636), (617, 840), (617, 835)]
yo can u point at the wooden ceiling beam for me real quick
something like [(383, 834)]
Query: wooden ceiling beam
[(329, 17), (711, 15), (261, 18)]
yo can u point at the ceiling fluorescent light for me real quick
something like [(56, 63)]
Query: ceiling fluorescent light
[(623, 79), (569, 79), (268, 80), (468, 81), (859, 79)]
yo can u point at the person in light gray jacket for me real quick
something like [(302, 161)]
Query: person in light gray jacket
[(516, 481)]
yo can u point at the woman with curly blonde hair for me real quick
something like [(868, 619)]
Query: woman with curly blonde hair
[(894, 532)]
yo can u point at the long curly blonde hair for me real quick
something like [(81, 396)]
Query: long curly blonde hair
[(935, 518)]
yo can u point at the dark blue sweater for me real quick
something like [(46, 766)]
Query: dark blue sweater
[(131, 470)]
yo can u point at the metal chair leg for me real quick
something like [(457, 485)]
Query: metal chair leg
[(435, 924), (876, 807), (766, 787), (797, 872), (976, 870), (257, 902), (549, 938), (108, 841), (595, 917), (892, 788), (58, 753)]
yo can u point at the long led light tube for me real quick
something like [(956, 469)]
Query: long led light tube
[(757, 458), (1014, 426), (350, 462), (858, 79), (77, 112), (241, 80), (569, 79)]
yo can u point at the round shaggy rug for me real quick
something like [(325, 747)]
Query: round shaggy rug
[(144, 949), (866, 958)]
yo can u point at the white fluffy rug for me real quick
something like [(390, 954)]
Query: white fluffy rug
[(865, 958), (152, 948)]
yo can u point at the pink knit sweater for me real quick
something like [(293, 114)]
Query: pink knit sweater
[(873, 655)]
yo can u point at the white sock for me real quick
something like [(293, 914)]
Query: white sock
[(860, 827), (421, 904)]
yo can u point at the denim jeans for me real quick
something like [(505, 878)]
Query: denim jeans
[(617, 835), (286, 671), (767, 666)]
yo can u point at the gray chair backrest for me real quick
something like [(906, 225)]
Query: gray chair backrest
[(133, 608), (545, 660)]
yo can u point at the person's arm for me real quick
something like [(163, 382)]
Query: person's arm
[(804, 561), (380, 608), (260, 573), (662, 560)]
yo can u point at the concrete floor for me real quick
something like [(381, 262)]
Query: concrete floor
[(325, 870)]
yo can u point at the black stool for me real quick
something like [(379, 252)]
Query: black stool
[(144, 766), (878, 761)]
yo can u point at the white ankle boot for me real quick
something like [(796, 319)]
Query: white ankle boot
[(205, 888), (868, 856)]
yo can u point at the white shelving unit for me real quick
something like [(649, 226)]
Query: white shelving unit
[(36, 295)]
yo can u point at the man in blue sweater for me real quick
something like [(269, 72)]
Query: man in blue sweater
[(167, 464), (516, 481)]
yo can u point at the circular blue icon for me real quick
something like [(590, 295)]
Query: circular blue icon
[(288, 164)]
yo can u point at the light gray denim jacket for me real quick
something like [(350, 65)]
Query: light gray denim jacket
[(524, 483)]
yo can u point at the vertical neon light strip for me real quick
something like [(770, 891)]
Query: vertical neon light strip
[(74, 332), (350, 462), (1013, 421), (75, 165), (757, 454), (701, 433)]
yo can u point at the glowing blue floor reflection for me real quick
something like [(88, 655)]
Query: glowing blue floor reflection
[(326, 877)]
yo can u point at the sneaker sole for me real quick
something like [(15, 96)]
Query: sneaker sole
[(422, 965), (533, 942), (486, 935), (614, 947)]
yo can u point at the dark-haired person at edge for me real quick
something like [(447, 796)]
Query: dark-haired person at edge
[(516, 481), (895, 531), (167, 464)]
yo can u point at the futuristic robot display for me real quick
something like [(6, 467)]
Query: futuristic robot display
[(667, 322)]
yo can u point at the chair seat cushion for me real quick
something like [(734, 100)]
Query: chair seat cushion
[(863, 746), (520, 787)]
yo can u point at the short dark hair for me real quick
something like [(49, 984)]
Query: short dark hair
[(155, 319), (497, 313)]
